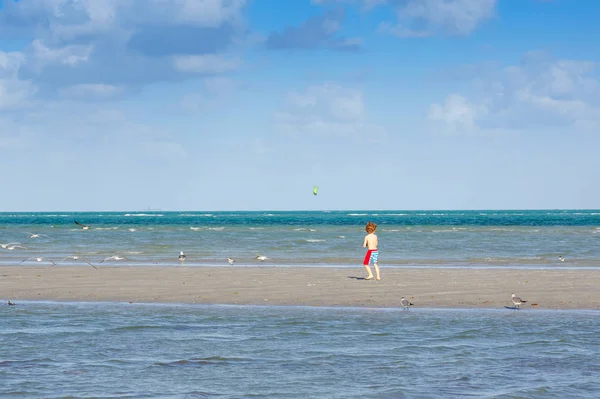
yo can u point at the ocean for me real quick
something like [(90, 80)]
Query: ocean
[(328, 238), (91, 350), (123, 350)]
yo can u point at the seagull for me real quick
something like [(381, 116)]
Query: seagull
[(181, 257), (230, 261), (114, 257), (560, 258), (517, 300), (83, 226), (75, 257), (261, 258), (10, 303), (405, 303), (5, 246), (13, 247), (38, 259), (33, 235)]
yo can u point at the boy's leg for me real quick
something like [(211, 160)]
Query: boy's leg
[(369, 272), (377, 276)]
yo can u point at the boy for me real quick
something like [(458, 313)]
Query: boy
[(372, 254)]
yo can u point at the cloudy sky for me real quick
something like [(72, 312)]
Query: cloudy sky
[(247, 104)]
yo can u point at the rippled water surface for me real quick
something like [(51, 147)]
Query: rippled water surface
[(414, 238), (187, 351)]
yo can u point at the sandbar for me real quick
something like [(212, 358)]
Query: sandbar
[(304, 286)]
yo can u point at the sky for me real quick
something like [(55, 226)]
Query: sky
[(248, 104)]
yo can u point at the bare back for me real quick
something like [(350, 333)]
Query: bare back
[(370, 241)]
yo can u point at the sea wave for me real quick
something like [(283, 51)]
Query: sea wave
[(144, 214)]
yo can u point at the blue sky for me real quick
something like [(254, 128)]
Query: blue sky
[(247, 104)]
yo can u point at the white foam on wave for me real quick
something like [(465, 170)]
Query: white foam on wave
[(216, 228), (256, 228), (357, 214), (314, 240), (451, 230), (144, 214), (196, 228)]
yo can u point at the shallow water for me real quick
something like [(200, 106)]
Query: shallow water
[(165, 351), (330, 238)]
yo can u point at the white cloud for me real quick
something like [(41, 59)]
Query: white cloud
[(217, 91), (100, 47), (328, 109), (14, 92), (366, 4), (71, 55), (419, 18), (537, 93), (456, 112), (204, 64)]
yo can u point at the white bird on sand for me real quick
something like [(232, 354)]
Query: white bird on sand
[(114, 257), (75, 257), (405, 303), (261, 258), (83, 226), (230, 261), (38, 259), (517, 300), (181, 257)]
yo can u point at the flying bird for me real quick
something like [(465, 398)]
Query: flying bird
[(38, 259), (181, 257), (405, 303), (13, 247), (83, 226), (113, 257), (10, 303), (261, 258), (517, 300), (230, 261), (75, 257), (5, 246), (32, 235), (560, 258)]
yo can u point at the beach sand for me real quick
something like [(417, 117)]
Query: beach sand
[(308, 286)]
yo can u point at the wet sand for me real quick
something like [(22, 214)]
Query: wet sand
[(308, 286)]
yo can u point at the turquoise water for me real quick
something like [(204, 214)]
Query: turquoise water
[(407, 238), (58, 350)]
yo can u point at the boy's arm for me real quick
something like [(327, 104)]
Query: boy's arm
[(365, 242)]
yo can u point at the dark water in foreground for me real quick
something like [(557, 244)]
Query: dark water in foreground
[(186, 351)]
